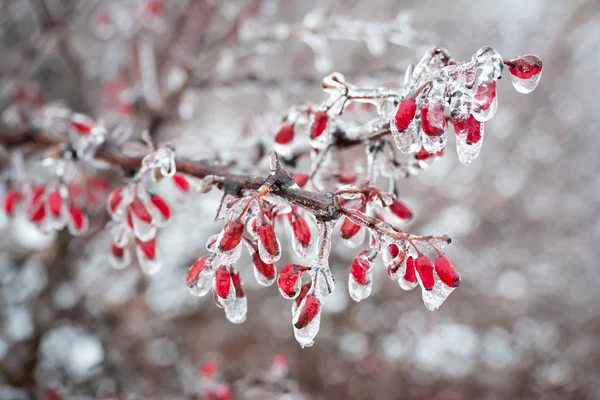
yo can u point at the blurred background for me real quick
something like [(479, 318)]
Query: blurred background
[(525, 322)]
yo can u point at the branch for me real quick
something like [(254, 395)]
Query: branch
[(325, 206)]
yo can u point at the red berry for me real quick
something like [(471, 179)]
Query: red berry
[(149, 248), (405, 114), (446, 271), (266, 270), (194, 271), (410, 274), (359, 269), (268, 238), (222, 282), (301, 179), (401, 210), (39, 213), (237, 283), (433, 113), (303, 291), (471, 126), (117, 251), (83, 128), (349, 229), (393, 250), (161, 205), (486, 93), (347, 178), (139, 209), (37, 194), (311, 308), (11, 198), (425, 270), (285, 134), (209, 368), (525, 67), (114, 199), (319, 124), (182, 182), (154, 7), (288, 276), (232, 235), (301, 231), (77, 216), (55, 201)]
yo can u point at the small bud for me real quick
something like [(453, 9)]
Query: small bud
[(285, 134), (425, 270), (446, 271), (405, 114)]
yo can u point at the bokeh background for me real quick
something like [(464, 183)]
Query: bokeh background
[(524, 217)]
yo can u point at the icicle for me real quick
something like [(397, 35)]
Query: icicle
[(147, 256), (199, 276), (360, 279)]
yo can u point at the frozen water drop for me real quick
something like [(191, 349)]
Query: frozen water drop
[(434, 298), (433, 144), (408, 140), (468, 152), (525, 85), (236, 312), (359, 291)]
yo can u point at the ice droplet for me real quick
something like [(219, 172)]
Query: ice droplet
[(525, 85), (148, 266), (434, 298), (204, 282), (299, 249), (142, 230), (468, 152), (433, 144), (356, 240), (236, 312), (408, 140), (358, 291), (489, 61), (483, 115), (120, 263)]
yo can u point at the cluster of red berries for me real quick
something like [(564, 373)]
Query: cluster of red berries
[(137, 214)]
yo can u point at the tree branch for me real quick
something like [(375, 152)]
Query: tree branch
[(324, 206)]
